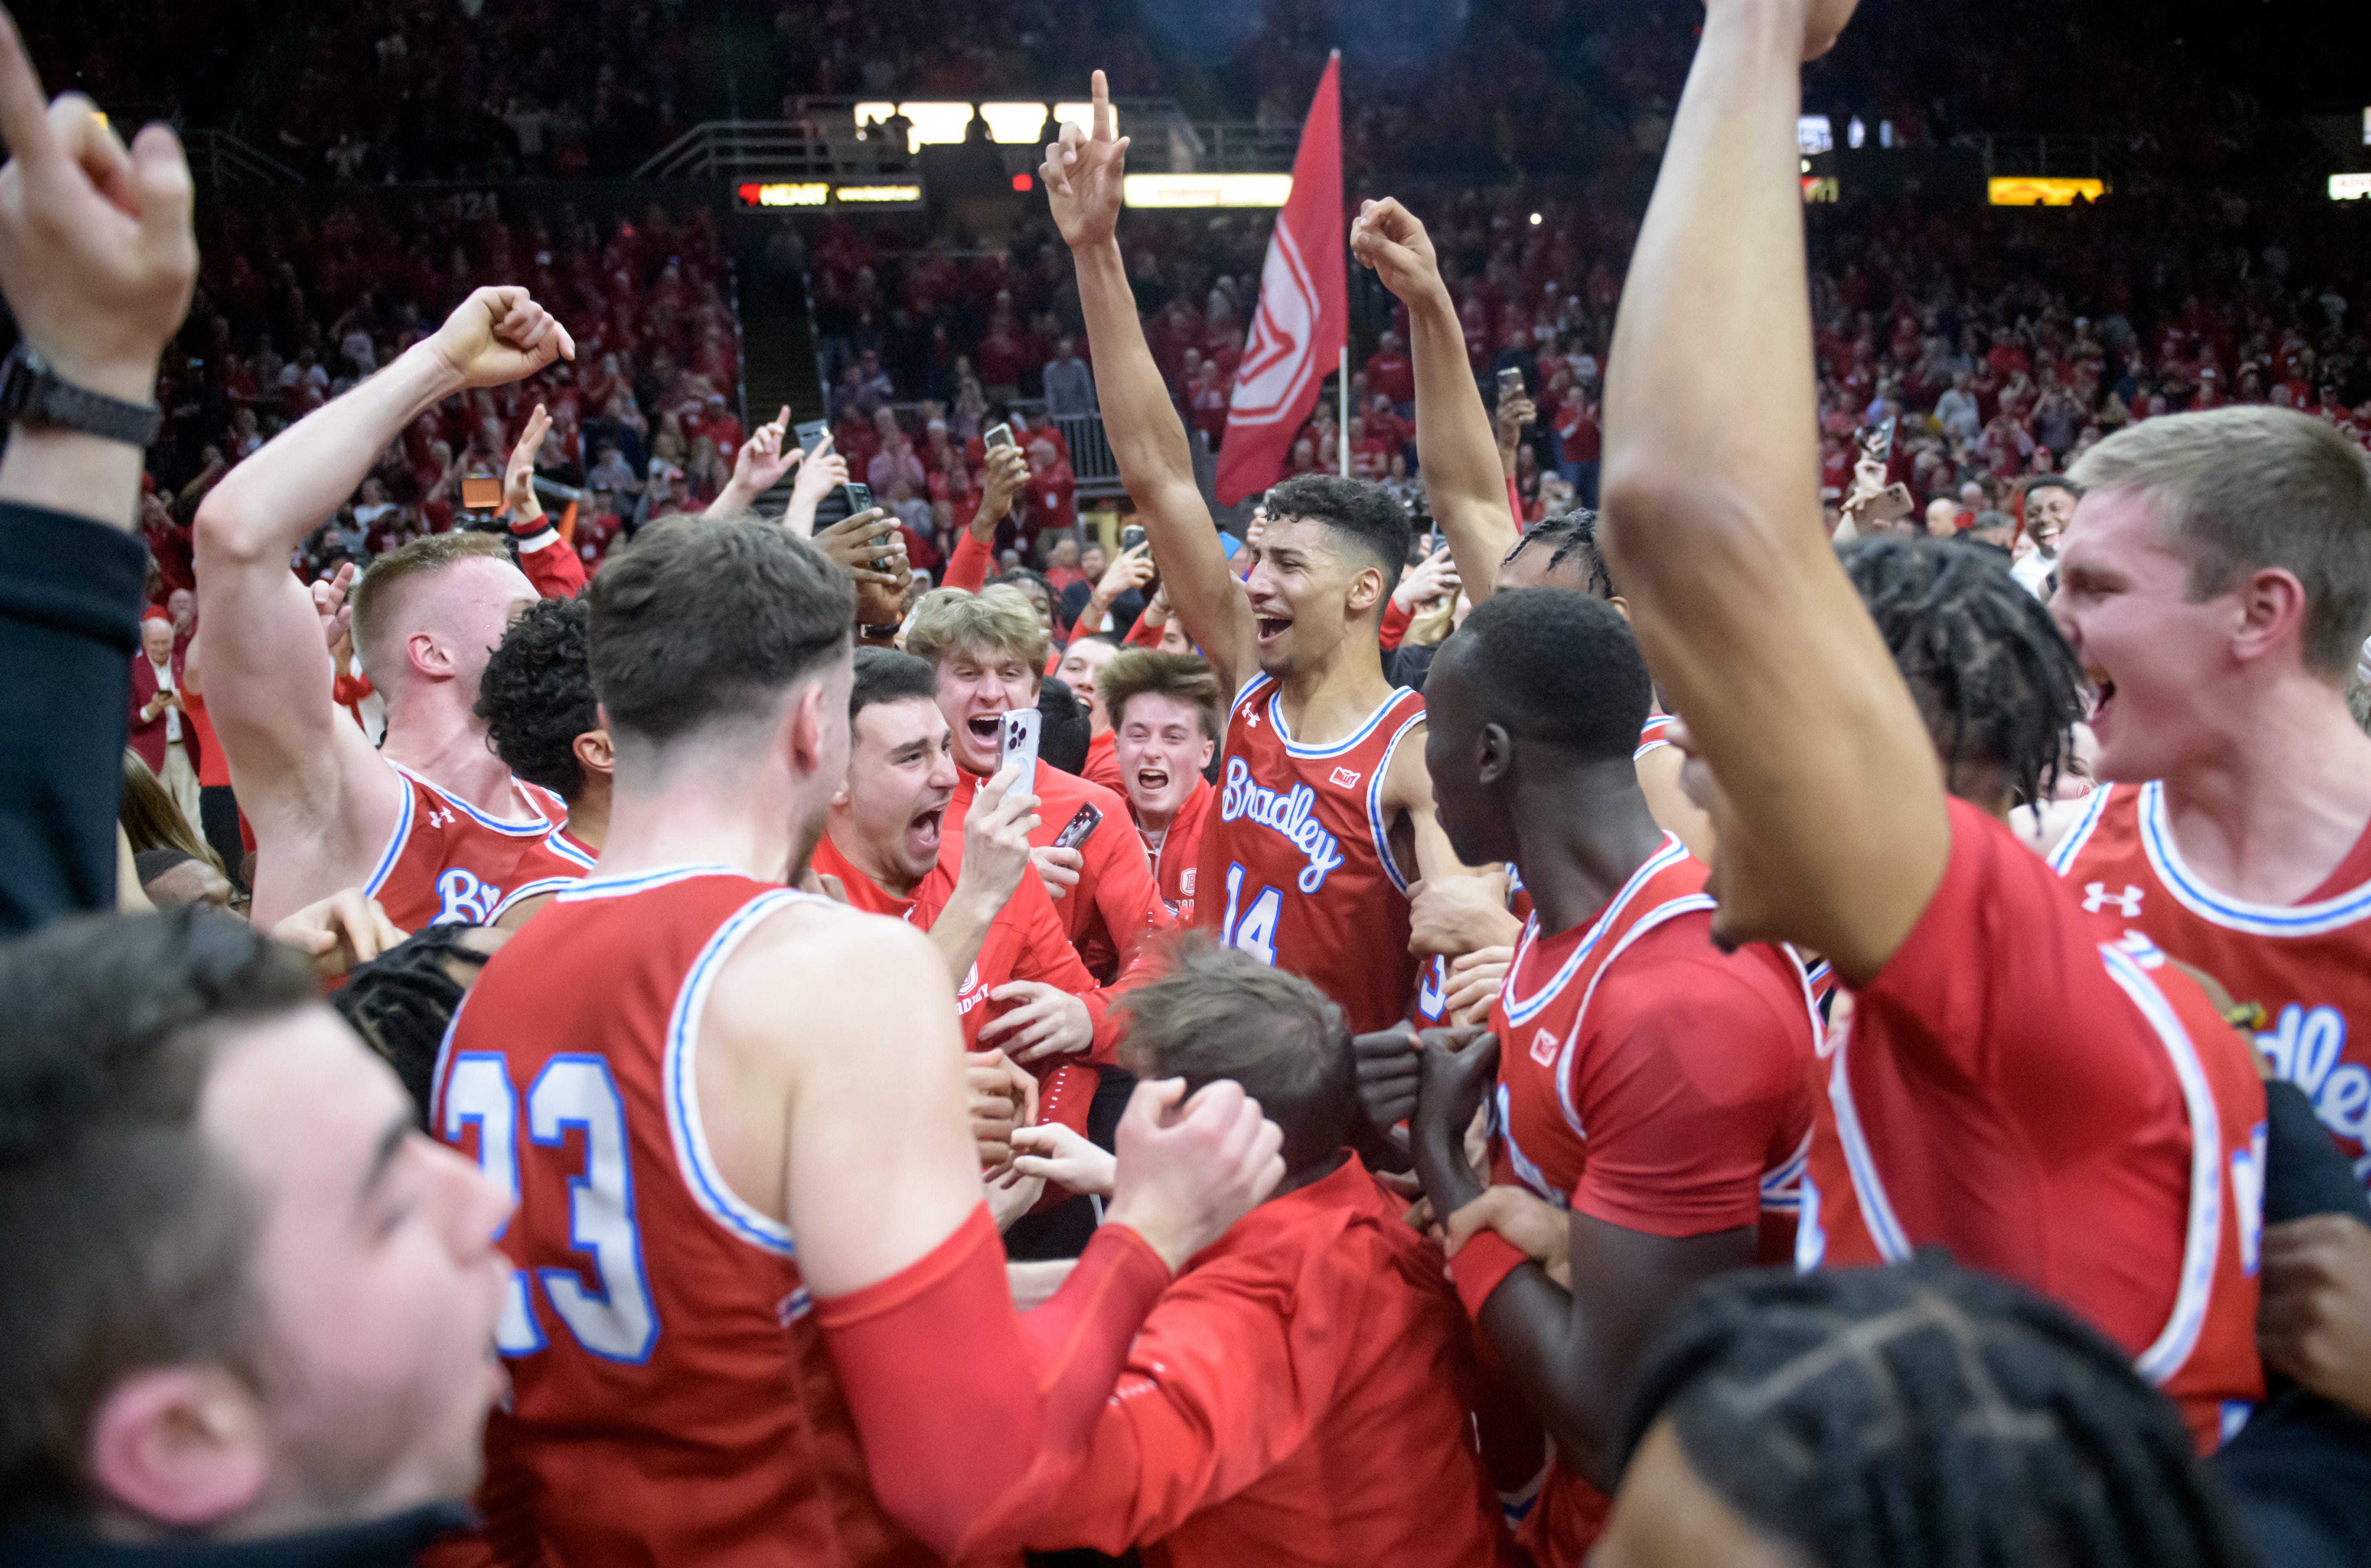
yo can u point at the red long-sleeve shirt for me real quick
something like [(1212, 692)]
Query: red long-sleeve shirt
[(1300, 1396)]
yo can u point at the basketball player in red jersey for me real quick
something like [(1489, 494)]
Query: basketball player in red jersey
[(431, 823), (2217, 582), (2012, 1081), (1654, 1087), (1164, 710), (734, 1115), (1022, 987), (1324, 811), (990, 650), (536, 699)]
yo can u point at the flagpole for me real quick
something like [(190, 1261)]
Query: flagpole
[(1342, 381)]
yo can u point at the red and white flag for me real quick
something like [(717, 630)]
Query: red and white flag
[(1303, 321)]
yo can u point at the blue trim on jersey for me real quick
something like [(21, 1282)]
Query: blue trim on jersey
[(2062, 856), (559, 843), (1522, 1009), (1374, 721), (535, 889), (2255, 920), (644, 882), (1377, 828), (678, 1077), (2203, 1236), (535, 829), (396, 840)]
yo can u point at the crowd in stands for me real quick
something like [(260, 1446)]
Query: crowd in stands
[(746, 1053), (298, 301)]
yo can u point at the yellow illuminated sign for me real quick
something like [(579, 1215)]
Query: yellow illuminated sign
[(1206, 190), (1819, 187), (2350, 187), (2043, 191), (874, 195)]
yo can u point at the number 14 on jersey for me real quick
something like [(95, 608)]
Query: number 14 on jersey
[(1256, 932)]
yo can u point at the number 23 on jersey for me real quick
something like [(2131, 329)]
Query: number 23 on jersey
[(606, 1305)]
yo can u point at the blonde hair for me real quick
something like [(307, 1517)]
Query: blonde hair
[(2247, 488), (949, 621), (376, 589)]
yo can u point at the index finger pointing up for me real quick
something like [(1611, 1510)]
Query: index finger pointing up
[(24, 114), (1105, 125)]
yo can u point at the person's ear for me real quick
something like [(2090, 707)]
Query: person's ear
[(1494, 753), (593, 751), (806, 726), (1366, 590), (2271, 611), (1208, 747), (184, 1446), (1621, 606), (424, 653)]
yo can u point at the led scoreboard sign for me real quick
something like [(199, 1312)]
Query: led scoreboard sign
[(881, 195)]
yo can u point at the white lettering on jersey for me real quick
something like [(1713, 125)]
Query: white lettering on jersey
[(2097, 897), (1291, 814), (461, 896), (2303, 1047)]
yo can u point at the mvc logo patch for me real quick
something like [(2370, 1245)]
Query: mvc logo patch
[(1347, 778)]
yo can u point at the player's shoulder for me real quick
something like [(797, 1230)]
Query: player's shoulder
[(1674, 981), (796, 964)]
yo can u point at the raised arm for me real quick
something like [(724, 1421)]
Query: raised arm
[(97, 262), (1453, 440), (1083, 184), (969, 1413), (269, 674), (544, 555), (1713, 525)]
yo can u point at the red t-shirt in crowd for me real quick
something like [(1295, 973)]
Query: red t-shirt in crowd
[(1293, 1390)]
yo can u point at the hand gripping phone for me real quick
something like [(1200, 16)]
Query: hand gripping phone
[(1077, 831)]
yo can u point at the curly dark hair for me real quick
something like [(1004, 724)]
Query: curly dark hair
[(537, 696), (1364, 511), (1993, 677), (1568, 534), (1927, 1413)]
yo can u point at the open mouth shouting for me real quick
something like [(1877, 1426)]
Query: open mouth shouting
[(1152, 779), (922, 832), (1269, 627), (985, 728), (2103, 697)]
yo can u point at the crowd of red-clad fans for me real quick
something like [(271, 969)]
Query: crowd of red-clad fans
[(299, 302)]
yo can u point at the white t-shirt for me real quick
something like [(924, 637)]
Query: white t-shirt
[(164, 674)]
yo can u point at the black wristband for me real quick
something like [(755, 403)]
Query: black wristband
[(32, 394)]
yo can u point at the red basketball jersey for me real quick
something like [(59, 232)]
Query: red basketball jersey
[(2054, 1106), (1297, 867), (1650, 1081), (448, 861), (2308, 965), (1656, 733), (672, 1400)]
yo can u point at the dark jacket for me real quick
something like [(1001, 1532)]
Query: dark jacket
[(44, 1541)]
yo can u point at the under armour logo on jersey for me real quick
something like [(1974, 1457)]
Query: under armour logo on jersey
[(2096, 897), (1250, 720), (1544, 1045), (439, 817), (461, 896), (1346, 777)]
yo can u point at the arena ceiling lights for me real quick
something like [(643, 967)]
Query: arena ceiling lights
[(1206, 190), (939, 122)]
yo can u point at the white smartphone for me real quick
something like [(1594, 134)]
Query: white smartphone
[(1018, 744)]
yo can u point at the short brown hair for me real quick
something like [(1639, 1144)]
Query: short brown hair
[(701, 620), (128, 1238), (997, 619), (380, 586), (1141, 671), (1217, 1012), (2248, 487)]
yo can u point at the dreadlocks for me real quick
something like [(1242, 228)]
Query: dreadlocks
[(1569, 534), (402, 1002), (1995, 681), (1923, 1413)]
